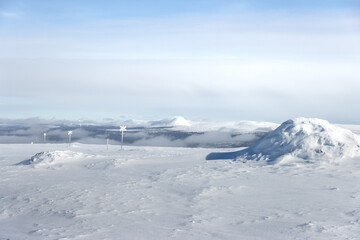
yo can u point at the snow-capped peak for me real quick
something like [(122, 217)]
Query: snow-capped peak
[(180, 121), (173, 122)]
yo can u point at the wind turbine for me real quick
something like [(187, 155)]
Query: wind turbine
[(107, 140), (69, 134), (122, 129)]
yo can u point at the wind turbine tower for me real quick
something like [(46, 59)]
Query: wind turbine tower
[(122, 129), (69, 134)]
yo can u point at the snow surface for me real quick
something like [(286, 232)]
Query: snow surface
[(299, 139), (51, 191)]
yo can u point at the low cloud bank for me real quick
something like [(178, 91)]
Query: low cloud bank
[(191, 134)]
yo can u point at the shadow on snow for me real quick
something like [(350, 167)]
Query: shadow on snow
[(224, 155)]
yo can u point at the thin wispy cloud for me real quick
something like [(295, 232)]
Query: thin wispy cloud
[(7, 14), (238, 35)]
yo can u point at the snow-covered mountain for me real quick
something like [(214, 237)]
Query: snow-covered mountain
[(305, 138), (171, 122), (308, 139)]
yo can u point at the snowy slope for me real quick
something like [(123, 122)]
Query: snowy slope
[(309, 139), (299, 139), (87, 192)]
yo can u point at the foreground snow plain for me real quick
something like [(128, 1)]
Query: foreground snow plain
[(89, 192)]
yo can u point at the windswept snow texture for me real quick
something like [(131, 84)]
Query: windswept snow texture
[(53, 158), (51, 191), (300, 139)]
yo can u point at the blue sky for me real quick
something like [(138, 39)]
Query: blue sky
[(234, 60)]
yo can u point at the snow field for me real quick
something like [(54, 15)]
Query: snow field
[(86, 192)]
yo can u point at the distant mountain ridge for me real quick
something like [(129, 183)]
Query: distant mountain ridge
[(171, 122)]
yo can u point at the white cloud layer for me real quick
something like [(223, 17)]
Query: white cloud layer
[(226, 35), (269, 65)]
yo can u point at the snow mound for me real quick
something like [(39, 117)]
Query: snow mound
[(305, 138), (171, 122), (53, 158)]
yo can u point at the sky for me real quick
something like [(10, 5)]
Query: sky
[(214, 59)]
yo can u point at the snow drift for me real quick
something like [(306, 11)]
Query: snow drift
[(43, 159), (308, 139)]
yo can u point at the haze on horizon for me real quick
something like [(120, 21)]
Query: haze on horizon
[(238, 60)]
